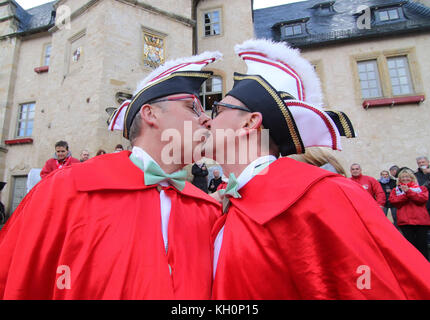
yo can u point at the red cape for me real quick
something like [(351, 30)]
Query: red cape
[(313, 234), (96, 227)]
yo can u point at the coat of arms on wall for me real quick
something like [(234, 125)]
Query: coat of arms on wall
[(153, 50)]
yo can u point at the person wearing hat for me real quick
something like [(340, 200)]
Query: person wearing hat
[(125, 225), (291, 230)]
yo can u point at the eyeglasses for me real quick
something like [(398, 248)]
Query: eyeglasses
[(217, 104), (197, 106)]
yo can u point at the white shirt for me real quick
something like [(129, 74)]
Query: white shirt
[(247, 174), (165, 202)]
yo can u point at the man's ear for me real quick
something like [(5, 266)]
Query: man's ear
[(149, 116), (252, 121)]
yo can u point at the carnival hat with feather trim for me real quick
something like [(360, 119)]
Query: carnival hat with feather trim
[(177, 76), (279, 73)]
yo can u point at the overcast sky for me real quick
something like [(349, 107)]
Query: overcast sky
[(27, 4)]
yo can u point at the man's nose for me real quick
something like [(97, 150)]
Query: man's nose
[(205, 121)]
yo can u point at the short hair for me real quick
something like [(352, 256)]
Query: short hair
[(408, 172), (355, 164), (119, 146), (394, 167), (136, 125), (421, 157), (63, 144), (135, 128), (101, 151), (384, 171)]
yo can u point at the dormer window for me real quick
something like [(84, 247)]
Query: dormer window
[(388, 14), (324, 8), (292, 30)]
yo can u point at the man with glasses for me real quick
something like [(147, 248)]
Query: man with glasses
[(126, 225), (290, 230)]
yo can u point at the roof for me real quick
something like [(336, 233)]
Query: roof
[(338, 23), (35, 18)]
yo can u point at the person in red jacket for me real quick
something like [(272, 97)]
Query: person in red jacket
[(412, 217), (368, 183), (290, 230), (62, 158), (123, 225)]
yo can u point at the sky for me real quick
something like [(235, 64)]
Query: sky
[(27, 4)]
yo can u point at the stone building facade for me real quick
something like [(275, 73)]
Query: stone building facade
[(98, 51), (64, 63), (371, 56)]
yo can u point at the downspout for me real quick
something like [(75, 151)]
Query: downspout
[(195, 33)]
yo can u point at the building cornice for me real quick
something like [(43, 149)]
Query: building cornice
[(173, 16), (78, 12)]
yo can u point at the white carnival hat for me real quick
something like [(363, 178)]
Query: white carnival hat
[(182, 75), (290, 78)]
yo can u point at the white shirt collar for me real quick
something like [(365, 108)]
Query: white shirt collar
[(146, 158), (142, 155), (248, 173)]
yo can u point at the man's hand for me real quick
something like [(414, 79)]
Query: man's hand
[(426, 170), (217, 196)]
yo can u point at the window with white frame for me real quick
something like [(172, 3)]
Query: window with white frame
[(369, 79), (400, 76), (292, 30), (388, 14), (386, 76), (211, 91), (212, 22), (25, 120)]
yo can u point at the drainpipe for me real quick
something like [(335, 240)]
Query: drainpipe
[(195, 3)]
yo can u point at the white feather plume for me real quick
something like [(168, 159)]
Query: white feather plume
[(283, 52), (172, 63)]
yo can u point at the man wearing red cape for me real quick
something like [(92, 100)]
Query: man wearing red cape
[(290, 230), (123, 225)]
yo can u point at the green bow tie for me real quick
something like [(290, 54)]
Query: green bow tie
[(231, 188), (154, 174)]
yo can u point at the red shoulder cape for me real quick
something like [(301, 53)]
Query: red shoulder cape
[(300, 232), (93, 231)]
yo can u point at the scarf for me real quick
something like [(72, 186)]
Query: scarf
[(384, 180), (412, 186)]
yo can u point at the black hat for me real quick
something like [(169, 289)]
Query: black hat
[(179, 76), (259, 96), (2, 184), (285, 88)]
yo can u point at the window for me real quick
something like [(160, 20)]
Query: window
[(211, 91), (388, 14), (47, 54), (292, 30), (25, 120), (369, 79), (399, 75), (19, 190), (212, 23), (390, 76)]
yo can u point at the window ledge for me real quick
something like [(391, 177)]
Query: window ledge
[(41, 69), (18, 141), (392, 101)]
